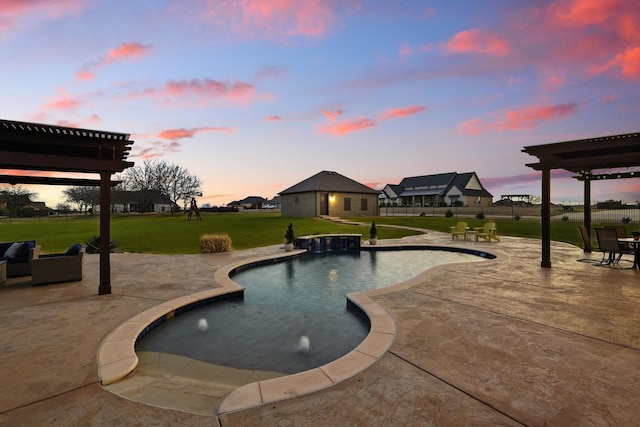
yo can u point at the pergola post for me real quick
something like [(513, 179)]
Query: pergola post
[(587, 211), (546, 218), (105, 233)]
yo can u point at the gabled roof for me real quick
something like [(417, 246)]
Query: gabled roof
[(329, 181), (441, 180), (254, 200), (391, 190), (461, 181)]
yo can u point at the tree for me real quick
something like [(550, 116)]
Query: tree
[(171, 180), (84, 198), (16, 197), (176, 183)]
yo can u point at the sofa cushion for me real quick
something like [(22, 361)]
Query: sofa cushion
[(73, 250), (13, 250)]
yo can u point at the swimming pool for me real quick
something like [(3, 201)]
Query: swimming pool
[(294, 315)]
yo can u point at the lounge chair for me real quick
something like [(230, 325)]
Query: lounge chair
[(55, 268), (487, 232), (460, 229), (608, 244)]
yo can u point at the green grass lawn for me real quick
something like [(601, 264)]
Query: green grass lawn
[(173, 234), (560, 231)]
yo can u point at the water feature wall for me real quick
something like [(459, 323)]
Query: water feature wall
[(329, 242)]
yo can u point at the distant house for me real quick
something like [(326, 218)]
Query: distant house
[(329, 193), (139, 201), (251, 202), (445, 189), (21, 205)]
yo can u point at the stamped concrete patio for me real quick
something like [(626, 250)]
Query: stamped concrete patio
[(501, 342)]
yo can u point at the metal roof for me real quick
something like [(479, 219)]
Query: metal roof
[(327, 181)]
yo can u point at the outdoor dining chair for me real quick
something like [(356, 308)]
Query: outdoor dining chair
[(608, 243)]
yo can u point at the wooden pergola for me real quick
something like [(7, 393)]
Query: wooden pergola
[(590, 159), (46, 148)]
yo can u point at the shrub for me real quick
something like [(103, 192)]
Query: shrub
[(210, 243), (517, 217), (626, 219), (565, 218), (373, 231), (480, 215), (93, 245), (289, 235), (448, 214)]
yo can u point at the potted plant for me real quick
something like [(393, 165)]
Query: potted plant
[(636, 234), (289, 237), (373, 234)]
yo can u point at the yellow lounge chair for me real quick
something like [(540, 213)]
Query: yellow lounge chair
[(487, 232), (460, 229)]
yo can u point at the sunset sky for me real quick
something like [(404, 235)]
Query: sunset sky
[(255, 96)]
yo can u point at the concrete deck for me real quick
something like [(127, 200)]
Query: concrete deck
[(503, 342)]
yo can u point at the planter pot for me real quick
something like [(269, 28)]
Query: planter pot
[(636, 237), (288, 247), (373, 240)]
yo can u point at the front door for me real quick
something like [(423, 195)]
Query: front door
[(324, 203)]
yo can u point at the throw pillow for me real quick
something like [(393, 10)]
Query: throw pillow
[(12, 251), (73, 250)]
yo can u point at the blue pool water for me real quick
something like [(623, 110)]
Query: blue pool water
[(286, 301)]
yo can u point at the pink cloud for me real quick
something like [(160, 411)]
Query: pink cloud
[(174, 134), (332, 115), (609, 98), (273, 119), (626, 62), (348, 126), (396, 113), (405, 50), (553, 83), (203, 91), (274, 19), (208, 88), (363, 123), (157, 149), (582, 12), (123, 52), (20, 15), (515, 120), (478, 41), (91, 121)]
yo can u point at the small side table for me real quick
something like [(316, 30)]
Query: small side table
[(3, 271)]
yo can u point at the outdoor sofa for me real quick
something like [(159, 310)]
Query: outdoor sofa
[(19, 257)]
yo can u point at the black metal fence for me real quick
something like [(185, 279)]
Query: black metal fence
[(568, 213)]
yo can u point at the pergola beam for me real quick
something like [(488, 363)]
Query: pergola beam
[(50, 180)]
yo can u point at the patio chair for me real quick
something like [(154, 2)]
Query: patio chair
[(487, 232), (621, 231), (586, 238), (460, 229), (608, 244), (55, 268)]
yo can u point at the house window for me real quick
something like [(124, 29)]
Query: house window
[(364, 204), (347, 203)]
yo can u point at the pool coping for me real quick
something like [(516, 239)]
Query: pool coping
[(117, 358)]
